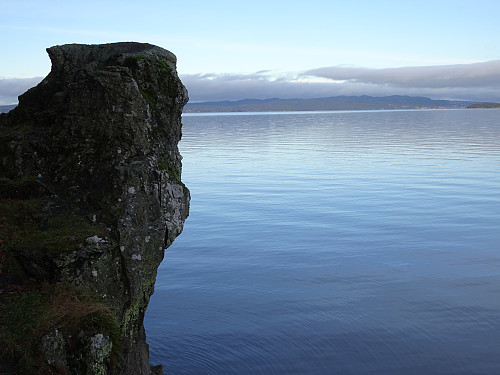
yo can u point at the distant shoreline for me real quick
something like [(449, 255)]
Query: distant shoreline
[(277, 113), (345, 103)]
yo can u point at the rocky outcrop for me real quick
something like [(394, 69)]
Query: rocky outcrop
[(90, 196)]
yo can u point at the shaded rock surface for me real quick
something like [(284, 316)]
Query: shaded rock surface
[(90, 155)]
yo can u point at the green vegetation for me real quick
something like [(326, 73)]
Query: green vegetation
[(30, 313), (173, 174), (166, 82), (27, 227), (485, 105), (22, 188), (166, 78), (32, 225), (34, 228), (149, 97), (171, 170)]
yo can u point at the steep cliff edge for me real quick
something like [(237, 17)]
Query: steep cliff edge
[(90, 196)]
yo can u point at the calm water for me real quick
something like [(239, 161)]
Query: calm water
[(335, 243)]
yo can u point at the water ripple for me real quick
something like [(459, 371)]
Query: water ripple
[(335, 243)]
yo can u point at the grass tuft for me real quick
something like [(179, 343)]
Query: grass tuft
[(29, 314)]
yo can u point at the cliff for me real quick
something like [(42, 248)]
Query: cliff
[(90, 196)]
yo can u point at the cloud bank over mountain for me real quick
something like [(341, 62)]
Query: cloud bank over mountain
[(477, 75), (476, 81)]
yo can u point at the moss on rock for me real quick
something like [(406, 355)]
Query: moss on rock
[(42, 321)]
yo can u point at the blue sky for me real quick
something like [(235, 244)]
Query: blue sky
[(260, 49)]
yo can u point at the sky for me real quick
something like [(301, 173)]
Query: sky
[(230, 50)]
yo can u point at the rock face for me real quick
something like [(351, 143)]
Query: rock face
[(91, 196)]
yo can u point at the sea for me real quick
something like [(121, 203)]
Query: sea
[(347, 242)]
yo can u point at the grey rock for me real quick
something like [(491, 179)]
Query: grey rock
[(102, 128), (99, 351), (95, 239), (54, 348)]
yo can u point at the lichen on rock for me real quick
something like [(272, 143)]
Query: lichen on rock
[(90, 191)]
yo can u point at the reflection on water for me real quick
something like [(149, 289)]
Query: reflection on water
[(344, 243)]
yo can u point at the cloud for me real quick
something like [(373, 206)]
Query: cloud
[(260, 85), (476, 75), (11, 88), (476, 82)]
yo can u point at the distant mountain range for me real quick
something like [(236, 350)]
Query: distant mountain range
[(325, 104)]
